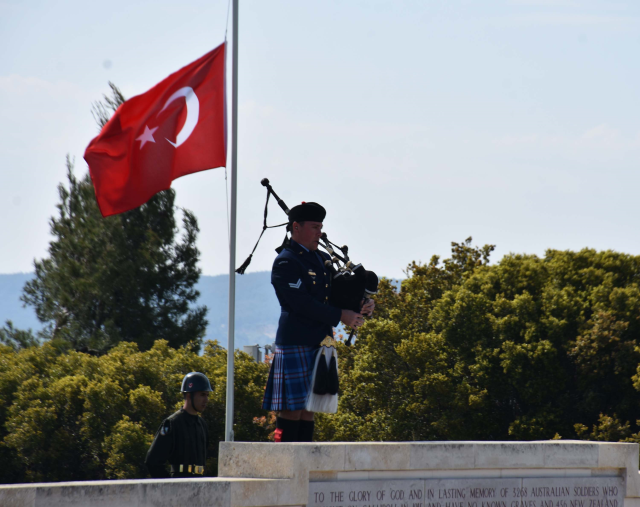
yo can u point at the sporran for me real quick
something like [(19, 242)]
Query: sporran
[(323, 394)]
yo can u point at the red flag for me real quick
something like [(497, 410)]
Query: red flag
[(176, 128)]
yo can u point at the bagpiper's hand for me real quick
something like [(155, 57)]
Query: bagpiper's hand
[(352, 319), (367, 307)]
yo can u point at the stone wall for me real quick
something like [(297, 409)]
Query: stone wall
[(404, 474)]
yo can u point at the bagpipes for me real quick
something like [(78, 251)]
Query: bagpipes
[(351, 283)]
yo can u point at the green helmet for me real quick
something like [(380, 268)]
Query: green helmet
[(194, 382)]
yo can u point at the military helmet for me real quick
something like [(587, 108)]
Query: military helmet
[(194, 382)]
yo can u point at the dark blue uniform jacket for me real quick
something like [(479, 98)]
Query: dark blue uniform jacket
[(303, 287)]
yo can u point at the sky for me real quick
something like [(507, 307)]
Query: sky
[(414, 122)]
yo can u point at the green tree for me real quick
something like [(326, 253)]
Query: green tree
[(66, 415), (124, 447), (526, 348), (129, 277), (16, 338)]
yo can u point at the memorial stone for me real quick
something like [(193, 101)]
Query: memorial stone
[(503, 492), (393, 474)]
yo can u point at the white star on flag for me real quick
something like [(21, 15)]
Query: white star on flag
[(147, 135)]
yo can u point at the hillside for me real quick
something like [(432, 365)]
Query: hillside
[(257, 308)]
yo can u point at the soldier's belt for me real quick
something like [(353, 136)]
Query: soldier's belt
[(191, 469)]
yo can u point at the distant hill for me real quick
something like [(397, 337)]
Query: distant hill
[(257, 308), (10, 304)]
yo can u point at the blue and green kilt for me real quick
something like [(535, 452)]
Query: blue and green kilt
[(290, 377)]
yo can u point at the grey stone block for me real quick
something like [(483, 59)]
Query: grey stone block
[(378, 456), (442, 455)]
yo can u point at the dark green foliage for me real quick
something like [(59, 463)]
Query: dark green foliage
[(66, 415), (16, 338), (123, 278), (528, 348), (128, 277), (102, 110)]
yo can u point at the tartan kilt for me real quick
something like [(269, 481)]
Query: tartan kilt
[(290, 377)]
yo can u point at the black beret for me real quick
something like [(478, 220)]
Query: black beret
[(311, 211)]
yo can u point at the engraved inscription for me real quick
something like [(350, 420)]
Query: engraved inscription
[(384, 493), (498, 492)]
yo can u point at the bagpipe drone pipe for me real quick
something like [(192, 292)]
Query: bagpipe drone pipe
[(351, 283)]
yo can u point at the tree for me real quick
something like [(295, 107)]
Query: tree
[(527, 348), (129, 277), (16, 338), (67, 415)]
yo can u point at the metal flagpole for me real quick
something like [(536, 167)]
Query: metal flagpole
[(228, 429)]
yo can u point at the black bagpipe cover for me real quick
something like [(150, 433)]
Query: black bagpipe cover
[(347, 291)]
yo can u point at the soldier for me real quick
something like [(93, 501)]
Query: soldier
[(302, 283), (182, 438)]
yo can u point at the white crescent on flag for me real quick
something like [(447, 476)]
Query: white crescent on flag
[(193, 113)]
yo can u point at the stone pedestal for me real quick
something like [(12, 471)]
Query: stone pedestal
[(442, 474), (404, 474)]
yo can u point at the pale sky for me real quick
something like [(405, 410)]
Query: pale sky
[(414, 122)]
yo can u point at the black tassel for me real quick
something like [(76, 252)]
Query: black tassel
[(320, 385), (244, 266), (332, 377)]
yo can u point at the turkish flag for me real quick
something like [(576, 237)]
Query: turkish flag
[(176, 128)]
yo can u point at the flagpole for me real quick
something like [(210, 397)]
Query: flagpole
[(228, 429)]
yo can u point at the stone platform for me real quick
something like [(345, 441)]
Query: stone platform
[(404, 474)]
